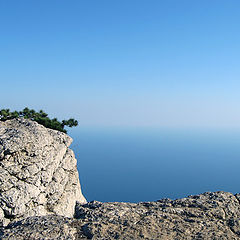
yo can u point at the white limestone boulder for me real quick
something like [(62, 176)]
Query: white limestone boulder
[(38, 172)]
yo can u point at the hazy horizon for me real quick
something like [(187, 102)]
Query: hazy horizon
[(172, 64)]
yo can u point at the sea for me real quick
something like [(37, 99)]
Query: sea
[(146, 164)]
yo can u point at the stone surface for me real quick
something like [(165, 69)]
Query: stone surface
[(206, 216), (38, 173)]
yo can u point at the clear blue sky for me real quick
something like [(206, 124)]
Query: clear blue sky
[(123, 63)]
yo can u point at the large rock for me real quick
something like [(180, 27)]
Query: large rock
[(208, 216), (38, 172)]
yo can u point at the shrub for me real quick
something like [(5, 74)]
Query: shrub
[(41, 117)]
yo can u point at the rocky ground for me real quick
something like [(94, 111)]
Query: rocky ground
[(204, 216)]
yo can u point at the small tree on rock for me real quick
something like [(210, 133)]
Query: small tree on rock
[(41, 117)]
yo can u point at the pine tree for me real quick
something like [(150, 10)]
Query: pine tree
[(41, 117)]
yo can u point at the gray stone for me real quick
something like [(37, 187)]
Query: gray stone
[(205, 216), (38, 172), (208, 216)]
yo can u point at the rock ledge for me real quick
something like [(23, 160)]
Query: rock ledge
[(205, 216)]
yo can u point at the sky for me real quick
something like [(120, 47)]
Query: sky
[(145, 63)]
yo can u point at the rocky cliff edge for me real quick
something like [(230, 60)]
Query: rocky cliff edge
[(38, 172), (208, 216), (39, 189)]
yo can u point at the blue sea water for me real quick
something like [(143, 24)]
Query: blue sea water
[(133, 165)]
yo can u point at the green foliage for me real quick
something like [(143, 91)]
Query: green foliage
[(41, 117)]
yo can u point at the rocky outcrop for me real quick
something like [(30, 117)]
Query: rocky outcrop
[(208, 216), (38, 173), (40, 198), (205, 216)]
